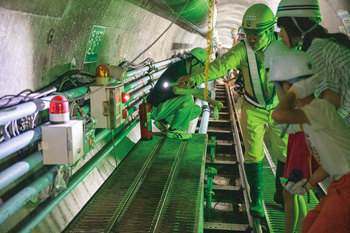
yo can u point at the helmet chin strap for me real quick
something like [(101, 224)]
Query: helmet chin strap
[(303, 33), (269, 37)]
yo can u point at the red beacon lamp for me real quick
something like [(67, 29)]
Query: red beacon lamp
[(59, 110)]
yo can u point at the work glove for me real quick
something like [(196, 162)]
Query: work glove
[(305, 87), (299, 188), (186, 82)]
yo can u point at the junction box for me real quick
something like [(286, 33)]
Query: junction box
[(62, 143), (107, 105)]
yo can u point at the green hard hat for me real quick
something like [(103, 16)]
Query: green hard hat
[(300, 8), (258, 17), (200, 54)]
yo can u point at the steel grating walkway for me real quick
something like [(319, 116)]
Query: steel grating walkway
[(274, 212), (157, 188)]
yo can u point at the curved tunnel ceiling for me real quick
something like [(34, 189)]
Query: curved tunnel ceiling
[(41, 38)]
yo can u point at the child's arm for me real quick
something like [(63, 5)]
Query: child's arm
[(332, 97), (319, 175), (286, 113), (301, 187)]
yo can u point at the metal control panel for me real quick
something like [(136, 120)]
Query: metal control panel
[(62, 143), (107, 105)]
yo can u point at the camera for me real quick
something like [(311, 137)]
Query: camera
[(295, 175)]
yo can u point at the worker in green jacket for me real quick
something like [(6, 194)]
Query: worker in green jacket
[(259, 99)]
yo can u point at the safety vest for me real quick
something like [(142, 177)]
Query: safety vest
[(259, 98)]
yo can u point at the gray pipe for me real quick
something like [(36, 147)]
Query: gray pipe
[(203, 128), (149, 69), (140, 92), (166, 62), (16, 143), (22, 197), (25, 109), (18, 169)]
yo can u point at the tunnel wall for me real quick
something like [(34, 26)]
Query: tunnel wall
[(40, 39)]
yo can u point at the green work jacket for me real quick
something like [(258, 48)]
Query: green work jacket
[(237, 59)]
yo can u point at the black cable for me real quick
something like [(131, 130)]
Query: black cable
[(162, 33)]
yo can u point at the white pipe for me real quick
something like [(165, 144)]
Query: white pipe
[(194, 122)]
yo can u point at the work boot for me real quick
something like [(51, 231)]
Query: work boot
[(254, 173), (178, 134), (278, 196), (162, 125)]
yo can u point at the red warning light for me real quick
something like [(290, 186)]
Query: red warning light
[(59, 110), (126, 97)]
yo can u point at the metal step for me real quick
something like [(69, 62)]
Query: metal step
[(225, 227)]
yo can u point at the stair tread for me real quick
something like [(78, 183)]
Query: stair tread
[(225, 187), (222, 162)]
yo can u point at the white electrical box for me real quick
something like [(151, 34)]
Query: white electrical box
[(107, 105), (62, 143)]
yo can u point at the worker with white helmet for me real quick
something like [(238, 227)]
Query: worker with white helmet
[(259, 96), (171, 109), (236, 36), (327, 136)]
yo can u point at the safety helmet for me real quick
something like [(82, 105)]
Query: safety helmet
[(258, 17), (291, 66), (300, 8), (200, 54), (234, 32), (275, 49)]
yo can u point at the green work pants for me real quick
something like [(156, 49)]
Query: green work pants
[(253, 123), (178, 112)]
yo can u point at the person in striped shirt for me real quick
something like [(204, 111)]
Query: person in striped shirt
[(299, 22)]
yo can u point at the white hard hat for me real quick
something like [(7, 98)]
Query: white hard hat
[(291, 66), (234, 32), (299, 8), (275, 49)]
